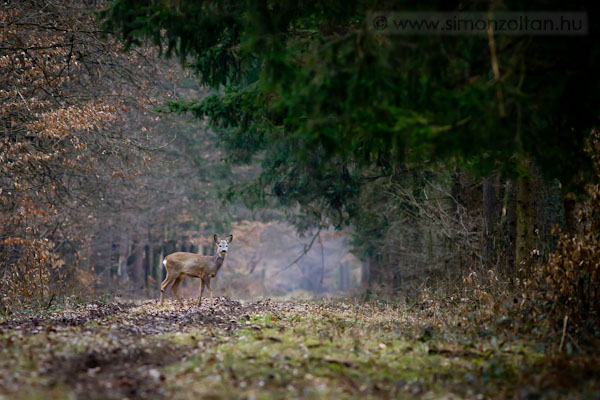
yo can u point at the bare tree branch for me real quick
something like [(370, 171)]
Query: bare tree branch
[(304, 252)]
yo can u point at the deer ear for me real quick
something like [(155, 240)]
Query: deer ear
[(230, 239), (216, 237)]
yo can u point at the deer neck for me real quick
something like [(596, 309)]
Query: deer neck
[(217, 262)]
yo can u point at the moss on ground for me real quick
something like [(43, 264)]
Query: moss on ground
[(339, 350)]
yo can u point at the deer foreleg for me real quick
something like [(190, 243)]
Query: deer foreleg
[(201, 292), (209, 290)]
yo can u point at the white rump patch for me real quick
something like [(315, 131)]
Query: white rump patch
[(165, 263)]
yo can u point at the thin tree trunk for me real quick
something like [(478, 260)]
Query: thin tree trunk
[(526, 219), (114, 257), (571, 207), (137, 264), (123, 256), (149, 265), (551, 213), (490, 217), (509, 228), (364, 273)]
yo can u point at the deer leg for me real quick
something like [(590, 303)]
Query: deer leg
[(201, 292), (177, 282), (164, 285), (175, 286), (209, 290)]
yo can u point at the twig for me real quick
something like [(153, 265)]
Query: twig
[(312, 287), (564, 331), (24, 101), (50, 302), (306, 250)]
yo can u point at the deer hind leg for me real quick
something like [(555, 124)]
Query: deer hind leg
[(168, 280), (175, 286)]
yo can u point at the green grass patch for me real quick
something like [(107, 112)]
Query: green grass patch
[(319, 350)]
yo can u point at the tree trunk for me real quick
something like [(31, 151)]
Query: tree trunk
[(396, 271), (570, 206), (364, 273), (509, 228), (526, 219), (551, 213), (491, 216), (149, 265), (123, 256), (137, 264), (114, 257)]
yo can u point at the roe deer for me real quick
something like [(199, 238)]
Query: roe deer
[(179, 265)]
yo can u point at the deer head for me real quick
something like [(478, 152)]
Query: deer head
[(223, 244)]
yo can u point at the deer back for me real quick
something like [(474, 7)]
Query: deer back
[(189, 263)]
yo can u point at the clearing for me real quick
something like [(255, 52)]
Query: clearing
[(266, 349)]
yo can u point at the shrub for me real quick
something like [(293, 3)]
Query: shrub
[(573, 270)]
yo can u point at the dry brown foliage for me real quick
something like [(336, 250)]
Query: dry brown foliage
[(62, 93), (573, 270)]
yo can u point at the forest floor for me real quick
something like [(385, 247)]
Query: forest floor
[(266, 349)]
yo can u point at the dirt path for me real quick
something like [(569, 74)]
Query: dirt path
[(229, 349), (111, 351), (145, 318)]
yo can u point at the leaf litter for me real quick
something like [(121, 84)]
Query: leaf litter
[(268, 349)]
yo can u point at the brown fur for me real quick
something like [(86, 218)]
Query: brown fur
[(180, 264)]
